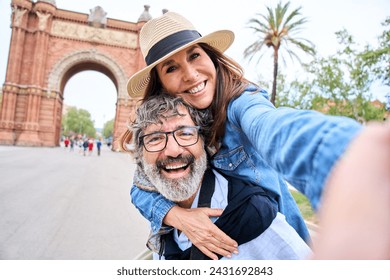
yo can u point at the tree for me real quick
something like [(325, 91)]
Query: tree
[(379, 59), (108, 129), (345, 82), (78, 121), (295, 94), (278, 29), (336, 85)]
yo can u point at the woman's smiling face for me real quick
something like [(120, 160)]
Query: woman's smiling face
[(191, 75)]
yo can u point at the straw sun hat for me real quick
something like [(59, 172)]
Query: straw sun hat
[(166, 35)]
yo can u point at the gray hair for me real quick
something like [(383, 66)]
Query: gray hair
[(159, 107)]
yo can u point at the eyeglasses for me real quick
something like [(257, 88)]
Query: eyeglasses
[(184, 137)]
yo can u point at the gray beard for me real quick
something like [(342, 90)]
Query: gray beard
[(177, 189)]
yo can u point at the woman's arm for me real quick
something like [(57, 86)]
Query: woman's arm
[(152, 205), (195, 223), (301, 145), (355, 213)]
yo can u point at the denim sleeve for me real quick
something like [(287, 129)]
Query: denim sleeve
[(152, 205), (301, 145)]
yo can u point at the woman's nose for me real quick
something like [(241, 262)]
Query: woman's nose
[(190, 74)]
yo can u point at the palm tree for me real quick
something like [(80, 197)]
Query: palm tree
[(275, 29)]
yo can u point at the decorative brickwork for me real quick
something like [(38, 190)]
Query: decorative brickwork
[(48, 46)]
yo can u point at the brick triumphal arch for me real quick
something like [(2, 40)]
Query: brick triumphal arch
[(48, 46)]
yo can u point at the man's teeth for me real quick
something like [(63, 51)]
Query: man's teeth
[(197, 89), (175, 167)]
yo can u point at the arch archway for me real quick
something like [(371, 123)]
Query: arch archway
[(48, 46), (79, 61), (94, 92)]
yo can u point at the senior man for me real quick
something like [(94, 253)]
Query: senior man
[(168, 143)]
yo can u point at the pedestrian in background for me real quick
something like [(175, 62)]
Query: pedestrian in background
[(66, 142), (98, 146), (85, 146), (90, 146), (72, 144)]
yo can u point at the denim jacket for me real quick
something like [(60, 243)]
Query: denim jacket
[(268, 146)]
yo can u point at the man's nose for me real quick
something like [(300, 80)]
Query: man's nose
[(173, 149)]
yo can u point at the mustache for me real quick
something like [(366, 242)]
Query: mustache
[(188, 159)]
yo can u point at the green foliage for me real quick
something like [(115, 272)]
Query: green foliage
[(339, 84), (108, 129), (304, 206), (295, 94), (78, 121), (379, 59)]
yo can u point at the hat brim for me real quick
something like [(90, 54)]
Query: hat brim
[(220, 40)]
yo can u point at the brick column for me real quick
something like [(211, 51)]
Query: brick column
[(11, 86), (125, 110), (40, 18)]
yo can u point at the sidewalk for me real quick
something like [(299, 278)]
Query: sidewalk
[(57, 204)]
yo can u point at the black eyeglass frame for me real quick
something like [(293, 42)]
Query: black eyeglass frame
[(198, 129)]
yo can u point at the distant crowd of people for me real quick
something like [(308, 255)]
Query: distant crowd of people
[(85, 145)]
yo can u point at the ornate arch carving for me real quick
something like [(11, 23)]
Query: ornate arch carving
[(62, 66)]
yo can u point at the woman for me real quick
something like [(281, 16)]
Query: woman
[(254, 140)]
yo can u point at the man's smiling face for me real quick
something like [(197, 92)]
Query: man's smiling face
[(175, 171)]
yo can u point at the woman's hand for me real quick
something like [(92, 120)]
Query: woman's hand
[(196, 225), (355, 213)]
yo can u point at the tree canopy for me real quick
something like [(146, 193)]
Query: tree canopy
[(278, 29), (108, 129), (78, 121), (340, 84)]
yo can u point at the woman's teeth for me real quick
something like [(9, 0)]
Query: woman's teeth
[(197, 88)]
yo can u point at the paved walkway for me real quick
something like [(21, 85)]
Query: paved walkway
[(57, 204)]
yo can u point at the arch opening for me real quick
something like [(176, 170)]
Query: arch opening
[(93, 91)]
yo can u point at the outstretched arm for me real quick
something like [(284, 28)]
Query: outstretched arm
[(301, 145), (355, 212)]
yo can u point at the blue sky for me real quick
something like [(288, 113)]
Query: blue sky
[(361, 19)]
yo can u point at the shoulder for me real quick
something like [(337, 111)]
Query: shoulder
[(253, 100), (251, 96)]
